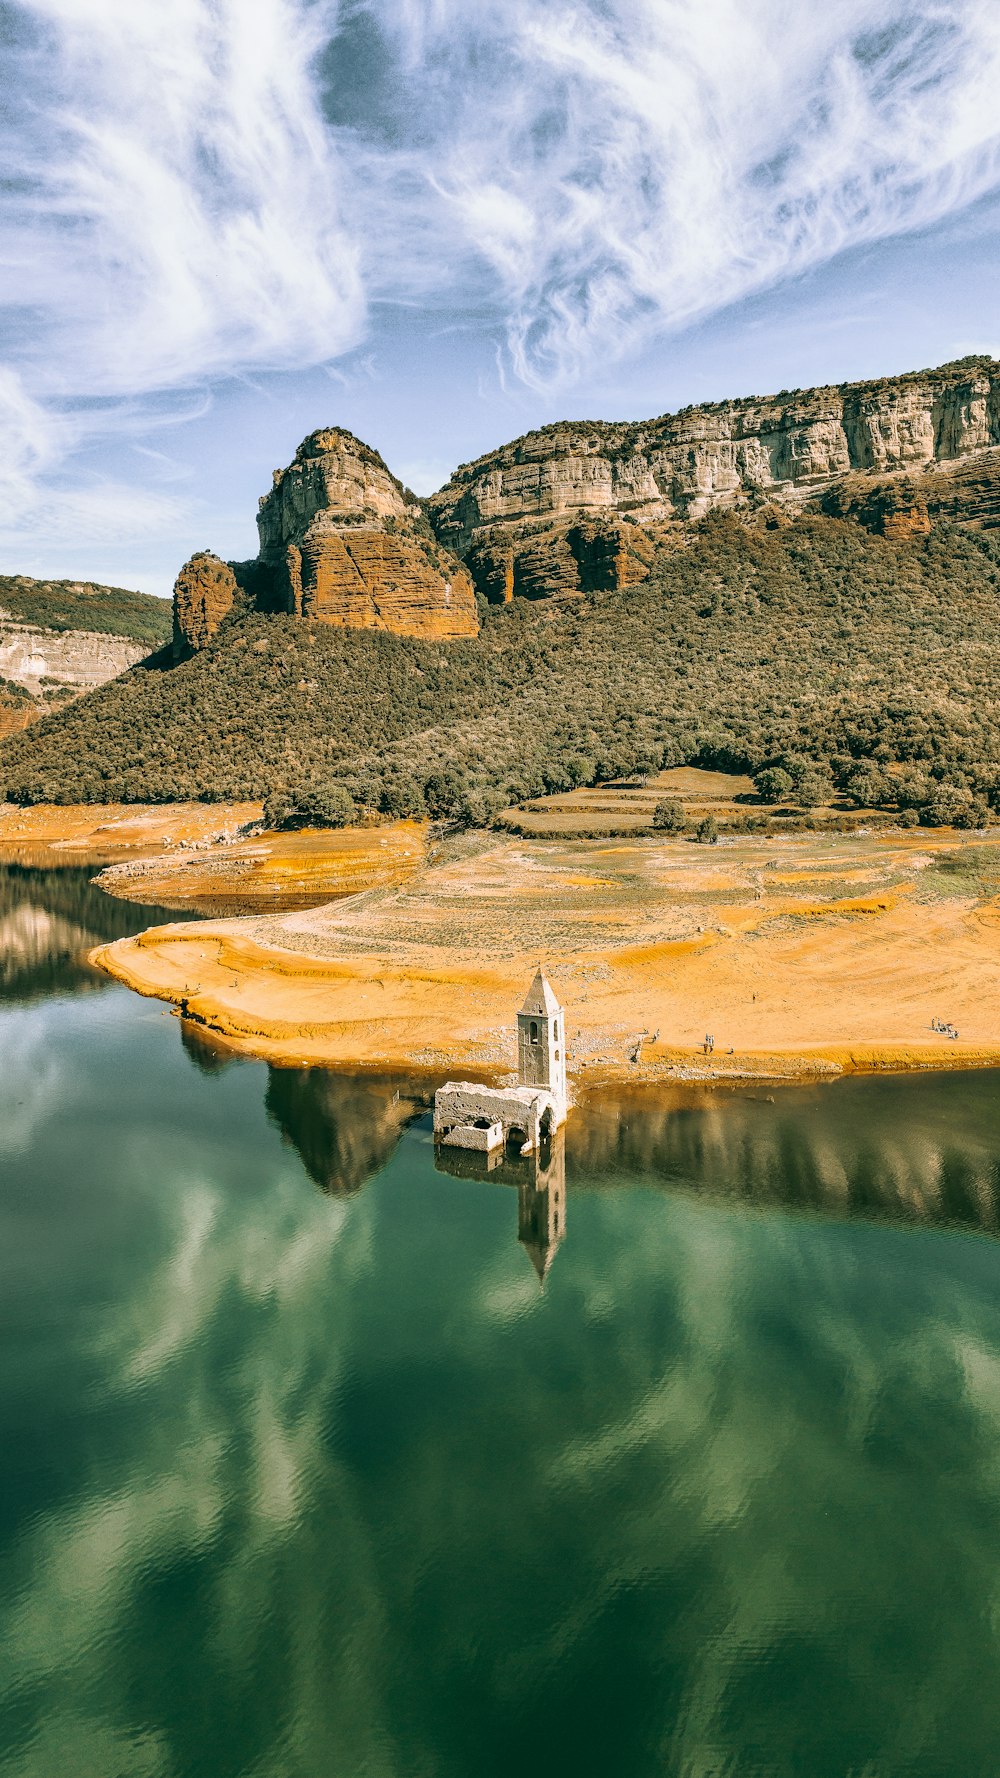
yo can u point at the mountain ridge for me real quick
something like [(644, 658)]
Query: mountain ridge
[(722, 613), (909, 438)]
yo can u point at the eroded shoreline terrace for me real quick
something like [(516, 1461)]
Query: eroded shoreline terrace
[(802, 955)]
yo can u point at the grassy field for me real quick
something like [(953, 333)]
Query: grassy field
[(627, 806)]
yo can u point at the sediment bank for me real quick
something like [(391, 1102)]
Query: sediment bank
[(804, 956)]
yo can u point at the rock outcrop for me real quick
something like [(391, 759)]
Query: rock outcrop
[(70, 661), (204, 592), (581, 506), (348, 544), (940, 430)]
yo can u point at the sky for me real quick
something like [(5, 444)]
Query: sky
[(441, 223)]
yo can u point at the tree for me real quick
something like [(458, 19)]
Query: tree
[(329, 805), (772, 784), (403, 799), (669, 815), (946, 807), (975, 814), (445, 791), (707, 831), (813, 788), (309, 805), (869, 787)]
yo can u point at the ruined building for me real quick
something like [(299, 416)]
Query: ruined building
[(522, 1116)]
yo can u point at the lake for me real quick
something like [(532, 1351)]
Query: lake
[(679, 1454)]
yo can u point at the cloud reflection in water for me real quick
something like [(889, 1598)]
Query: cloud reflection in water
[(304, 1500)]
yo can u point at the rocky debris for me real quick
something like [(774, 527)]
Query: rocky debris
[(204, 592), (780, 452), (348, 544)]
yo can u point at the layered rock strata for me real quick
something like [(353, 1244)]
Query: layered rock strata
[(43, 660), (580, 507), (348, 544), (204, 592), (938, 429)]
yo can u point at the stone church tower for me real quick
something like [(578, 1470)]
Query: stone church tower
[(541, 1044)]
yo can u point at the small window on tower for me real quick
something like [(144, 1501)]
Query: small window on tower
[(534, 1032), (555, 1030)]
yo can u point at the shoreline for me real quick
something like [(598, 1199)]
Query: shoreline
[(217, 996), (807, 956)]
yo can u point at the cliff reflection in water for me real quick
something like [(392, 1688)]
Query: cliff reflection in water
[(344, 1126), (881, 1150), (905, 1148), (49, 920)]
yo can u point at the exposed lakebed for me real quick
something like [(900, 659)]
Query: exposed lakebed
[(303, 1472)]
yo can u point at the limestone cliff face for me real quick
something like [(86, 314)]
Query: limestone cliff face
[(74, 660), (203, 595), (940, 429), (581, 506), (348, 544)]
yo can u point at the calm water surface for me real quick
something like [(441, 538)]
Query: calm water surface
[(303, 1473)]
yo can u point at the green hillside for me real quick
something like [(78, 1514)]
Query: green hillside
[(815, 647), (77, 605)]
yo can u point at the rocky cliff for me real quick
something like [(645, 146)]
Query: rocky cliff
[(341, 542), (204, 592), (895, 454), (348, 544), (581, 506)]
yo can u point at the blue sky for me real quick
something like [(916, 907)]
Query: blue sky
[(442, 222)]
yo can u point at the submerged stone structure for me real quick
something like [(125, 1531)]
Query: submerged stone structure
[(486, 1118)]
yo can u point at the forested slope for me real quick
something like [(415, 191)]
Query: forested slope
[(80, 605), (812, 642)]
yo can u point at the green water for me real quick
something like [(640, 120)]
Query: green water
[(302, 1473)]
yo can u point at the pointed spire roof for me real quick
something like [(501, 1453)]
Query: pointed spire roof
[(541, 1255), (540, 1002)]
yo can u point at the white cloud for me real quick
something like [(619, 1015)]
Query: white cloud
[(184, 220), (175, 218), (584, 174), (626, 167)]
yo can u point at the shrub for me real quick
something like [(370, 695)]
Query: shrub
[(813, 788), (312, 805), (669, 815), (946, 807), (869, 787), (975, 814)]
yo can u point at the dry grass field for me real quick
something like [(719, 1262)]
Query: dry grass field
[(626, 806)]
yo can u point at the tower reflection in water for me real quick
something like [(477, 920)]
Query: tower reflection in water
[(895, 1149), (345, 1128), (539, 1179)]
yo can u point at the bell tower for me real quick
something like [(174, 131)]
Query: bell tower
[(541, 1044)]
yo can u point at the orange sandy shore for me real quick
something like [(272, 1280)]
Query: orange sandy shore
[(803, 955)]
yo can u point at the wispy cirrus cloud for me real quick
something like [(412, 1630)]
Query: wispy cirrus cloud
[(626, 166), (216, 187)]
